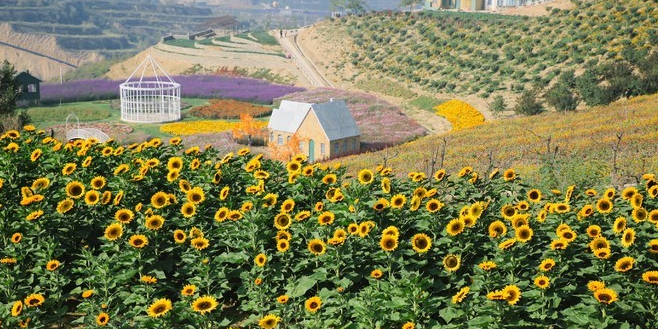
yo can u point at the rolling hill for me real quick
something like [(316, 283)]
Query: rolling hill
[(484, 54)]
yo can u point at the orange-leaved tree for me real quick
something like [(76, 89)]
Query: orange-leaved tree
[(287, 150), (249, 128)]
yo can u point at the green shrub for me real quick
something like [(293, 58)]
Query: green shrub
[(528, 103)]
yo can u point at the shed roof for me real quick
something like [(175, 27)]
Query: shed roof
[(335, 119), (289, 116), (26, 77)]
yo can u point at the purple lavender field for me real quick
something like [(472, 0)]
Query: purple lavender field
[(193, 86), (382, 124)]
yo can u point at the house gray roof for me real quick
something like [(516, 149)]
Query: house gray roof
[(335, 119), (289, 116)]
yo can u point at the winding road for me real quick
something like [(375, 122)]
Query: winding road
[(307, 67)]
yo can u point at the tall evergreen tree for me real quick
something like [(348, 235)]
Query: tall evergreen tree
[(9, 91)]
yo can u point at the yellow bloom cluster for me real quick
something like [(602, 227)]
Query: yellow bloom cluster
[(460, 114), (201, 127)]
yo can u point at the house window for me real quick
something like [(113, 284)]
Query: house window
[(344, 144), (301, 146), (280, 139), (354, 144), (288, 139), (336, 148), (323, 151), (31, 88), (271, 137)]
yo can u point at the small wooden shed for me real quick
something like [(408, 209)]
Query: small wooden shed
[(29, 86), (325, 130)]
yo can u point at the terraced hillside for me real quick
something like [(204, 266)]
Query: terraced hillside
[(110, 27), (477, 53)]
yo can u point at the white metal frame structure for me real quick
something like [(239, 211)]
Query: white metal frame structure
[(83, 133), (150, 101)]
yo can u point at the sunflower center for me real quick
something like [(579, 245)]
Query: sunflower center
[(204, 305), (421, 243), (317, 247)]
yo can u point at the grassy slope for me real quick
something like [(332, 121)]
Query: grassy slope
[(584, 142), (473, 53)]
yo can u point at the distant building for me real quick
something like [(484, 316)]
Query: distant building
[(325, 130), (30, 88), (473, 5)]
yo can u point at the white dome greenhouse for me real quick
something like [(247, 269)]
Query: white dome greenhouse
[(154, 97)]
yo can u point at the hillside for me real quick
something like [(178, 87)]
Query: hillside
[(484, 54), (551, 149), (39, 54)]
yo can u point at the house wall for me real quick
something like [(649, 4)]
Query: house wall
[(310, 129)]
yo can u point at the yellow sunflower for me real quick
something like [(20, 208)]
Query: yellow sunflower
[(282, 245), (92, 197), (636, 200), (451, 262), (16, 237), (509, 175), (364, 229), (113, 231), (180, 236), (388, 242), (52, 265), (34, 215), (542, 282), (282, 221), (175, 163), (36, 154), (653, 246), (409, 325), (508, 211), (465, 171), (329, 179), (159, 308), (640, 215), (316, 247), (196, 195), (87, 293), (40, 183), (69, 168), (398, 201), (628, 237), (173, 175), (547, 265), (16, 308), (148, 279), (534, 195), (650, 277), (75, 189), (154, 222), (106, 197), (260, 260), (313, 304), (283, 235), (421, 243), (439, 175), (34, 300), (205, 304), (602, 253), (433, 205), (604, 206), (593, 231), (523, 233), (381, 204), (138, 241), (629, 192), (188, 290), (102, 319), (653, 216), (559, 244), (353, 228), (595, 285), (487, 265), (386, 185), (392, 231), (65, 206), (605, 296), (624, 264), (366, 176), (497, 229), (459, 297), (512, 294), (270, 200), (599, 243), (376, 274), (326, 218), (188, 209), (124, 215), (200, 243), (269, 321), (507, 244), (159, 199), (455, 226)]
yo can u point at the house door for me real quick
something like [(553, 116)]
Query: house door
[(311, 151)]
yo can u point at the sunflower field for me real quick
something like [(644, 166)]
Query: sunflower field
[(154, 235)]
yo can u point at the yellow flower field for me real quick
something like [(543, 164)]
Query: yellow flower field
[(156, 235), (201, 127), (460, 114)]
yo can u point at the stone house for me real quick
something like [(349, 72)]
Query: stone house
[(325, 130)]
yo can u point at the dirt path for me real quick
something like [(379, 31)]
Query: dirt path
[(311, 72)]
